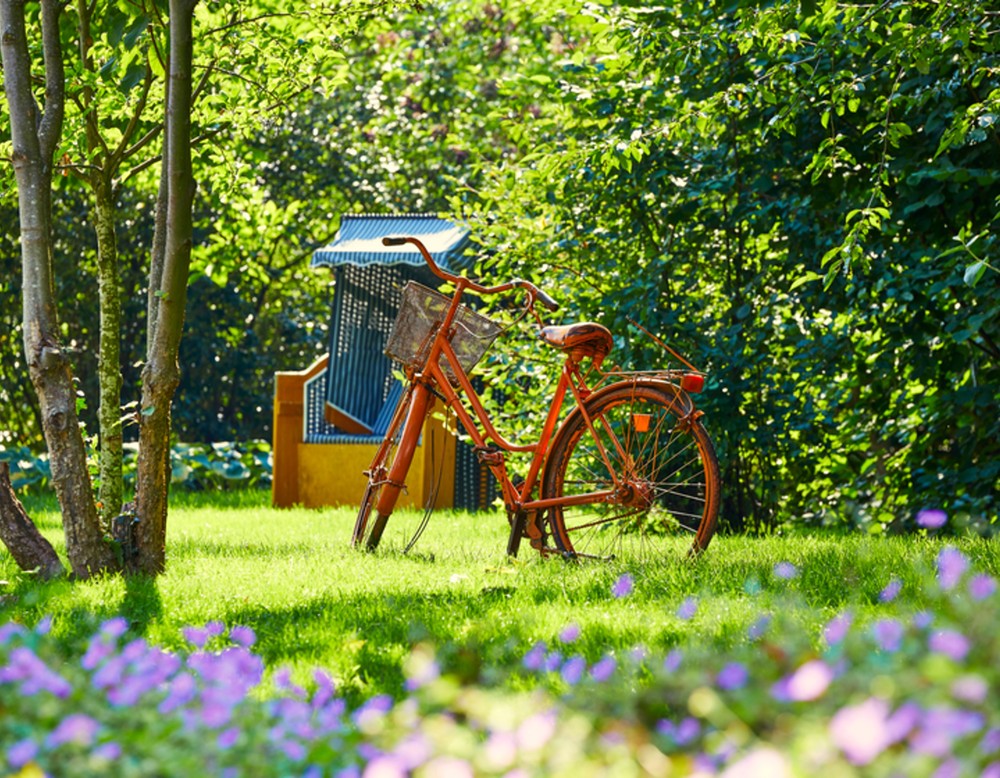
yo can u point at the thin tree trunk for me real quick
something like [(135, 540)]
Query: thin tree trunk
[(162, 373), (109, 347), (109, 357), (34, 135), (30, 550)]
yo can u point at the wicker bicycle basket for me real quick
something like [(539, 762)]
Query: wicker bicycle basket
[(420, 316)]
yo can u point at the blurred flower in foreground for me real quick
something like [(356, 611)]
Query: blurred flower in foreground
[(762, 762), (932, 519), (623, 586), (732, 677), (950, 643), (569, 633), (807, 683), (860, 731), (981, 586), (888, 634), (786, 571), (951, 566), (891, 590), (687, 608), (837, 628)]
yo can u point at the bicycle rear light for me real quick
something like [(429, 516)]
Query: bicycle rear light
[(640, 421), (692, 382)]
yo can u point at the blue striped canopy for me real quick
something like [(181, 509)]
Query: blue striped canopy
[(358, 242)]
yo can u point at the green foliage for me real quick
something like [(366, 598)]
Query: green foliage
[(194, 467), (699, 172)]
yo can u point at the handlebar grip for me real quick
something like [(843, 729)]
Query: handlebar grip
[(547, 301), (393, 241)]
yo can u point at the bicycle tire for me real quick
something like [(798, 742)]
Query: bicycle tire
[(668, 474), (381, 465)]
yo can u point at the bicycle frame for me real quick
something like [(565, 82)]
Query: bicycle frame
[(516, 497)]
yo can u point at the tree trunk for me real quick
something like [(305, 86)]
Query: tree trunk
[(109, 357), (162, 373), (30, 550), (34, 135), (109, 347)]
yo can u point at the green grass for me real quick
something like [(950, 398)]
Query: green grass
[(313, 601)]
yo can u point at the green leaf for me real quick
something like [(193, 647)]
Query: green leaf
[(804, 279), (974, 272)]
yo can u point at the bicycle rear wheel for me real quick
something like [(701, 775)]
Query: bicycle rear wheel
[(665, 475), (368, 528)]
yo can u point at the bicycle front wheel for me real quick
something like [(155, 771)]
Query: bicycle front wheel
[(646, 448), (369, 525)]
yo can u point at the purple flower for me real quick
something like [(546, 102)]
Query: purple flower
[(33, 674), (8, 630), (535, 657), (215, 628), (681, 734), (992, 770), (114, 628), (243, 636), (195, 636), (22, 752), (860, 730), (932, 519), (228, 737), (950, 643), (837, 628), (990, 744), (888, 634), (182, 690), (552, 661), (759, 627), (923, 619), (673, 661), (569, 633), (623, 586), (76, 728), (687, 608), (981, 586), (949, 768), (941, 727), (902, 721), (44, 626), (951, 566), (732, 677), (970, 688), (107, 751), (891, 590), (786, 571), (603, 669), (573, 670)]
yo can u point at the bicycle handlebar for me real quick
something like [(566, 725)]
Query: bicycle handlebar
[(534, 293)]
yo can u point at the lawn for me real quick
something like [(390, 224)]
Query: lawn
[(763, 605)]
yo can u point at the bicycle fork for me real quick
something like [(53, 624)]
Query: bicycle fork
[(420, 404)]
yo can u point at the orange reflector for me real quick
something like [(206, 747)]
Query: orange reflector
[(641, 422), (692, 382)]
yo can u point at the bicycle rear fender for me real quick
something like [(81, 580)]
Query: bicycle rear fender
[(685, 407)]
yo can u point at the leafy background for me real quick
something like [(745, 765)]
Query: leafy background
[(801, 199)]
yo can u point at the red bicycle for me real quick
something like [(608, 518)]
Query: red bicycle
[(629, 466)]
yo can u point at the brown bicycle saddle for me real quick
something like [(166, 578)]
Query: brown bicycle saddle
[(584, 339)]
